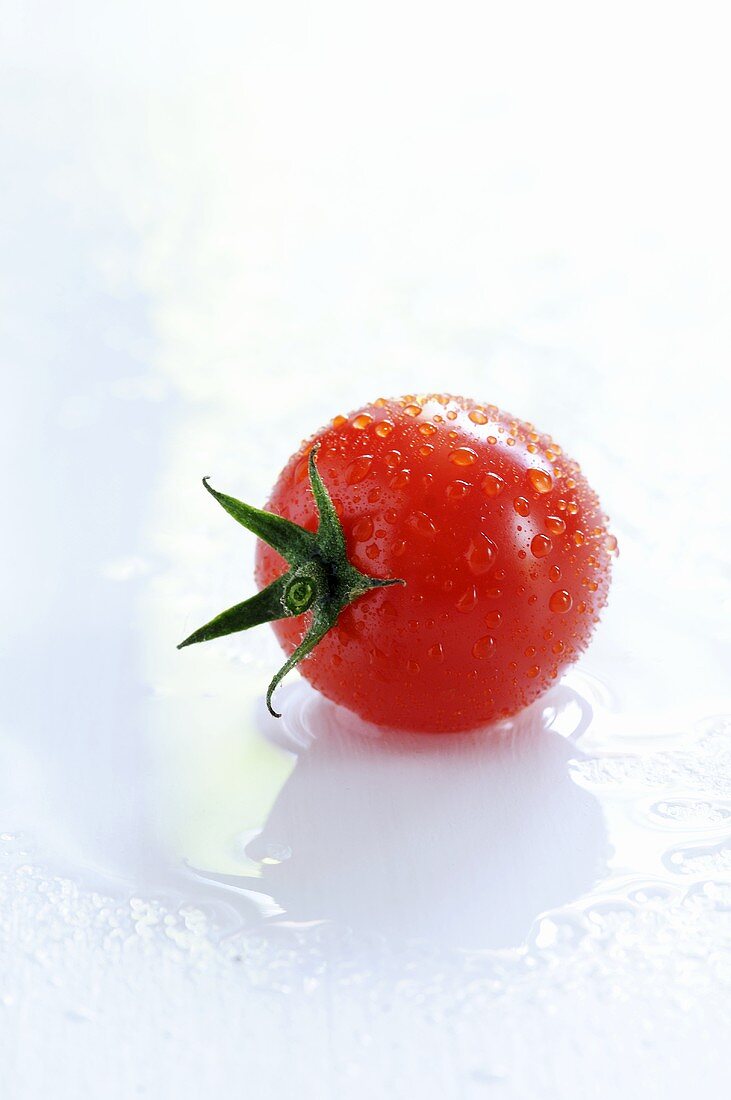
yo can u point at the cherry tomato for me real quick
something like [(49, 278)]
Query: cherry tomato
[(501, 543)]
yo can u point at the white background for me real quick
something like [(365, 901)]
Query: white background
[(221, 226)]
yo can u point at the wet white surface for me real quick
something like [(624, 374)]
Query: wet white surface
[(221, 229)]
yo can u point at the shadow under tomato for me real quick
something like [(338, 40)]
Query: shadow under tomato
[(461, 839)]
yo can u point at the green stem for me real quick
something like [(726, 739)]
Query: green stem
[(321, 577)]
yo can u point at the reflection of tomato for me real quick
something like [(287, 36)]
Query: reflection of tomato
[(501, 542)]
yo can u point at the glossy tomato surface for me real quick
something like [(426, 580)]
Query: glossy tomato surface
[(502, 543)]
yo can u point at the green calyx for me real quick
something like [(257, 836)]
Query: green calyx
[(320, 578)]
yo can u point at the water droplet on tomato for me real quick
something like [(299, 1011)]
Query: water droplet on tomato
[(398, 548), (301, 470), (338, 421), (558, 647), (427, 429), (540, 480), (555, 525), (422, 524), (457, 490), (554, 573), (401, 479), (481, 554), (413, 666), (413, 410), (363, 529), (540, 546), (492, 440), (560, 602), (390, 515), (493, 619), (493, 485), (477, 417), (373, 551), (521, 505), (483, 647), (362, 421), (426, 450), (467, 600), (358, 469), (436, 652), (384, 428), (572, 507), (463, 456), (610, 544), (533, 671)]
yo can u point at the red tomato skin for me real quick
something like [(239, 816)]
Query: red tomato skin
[(502, 543)]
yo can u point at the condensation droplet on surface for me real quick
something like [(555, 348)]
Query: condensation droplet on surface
[(555, 525), (492, 485), (533, 672), (413, 410), (301, 470), (427, 429), (560, 601), (610, 544), (463, 456), (477, 417), (401, 479), (426, 450), (422, 524), (540, 480), (384, 428), (467, 600), (522, 506), (363, 529), (493, 619), (481, 555), (579, 537), (483, 647), (373, 551), (540, 546), (398, 548), (338, 421), (554, 573), (436, 652), (457, 490), (358, 469), (362, 421)]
